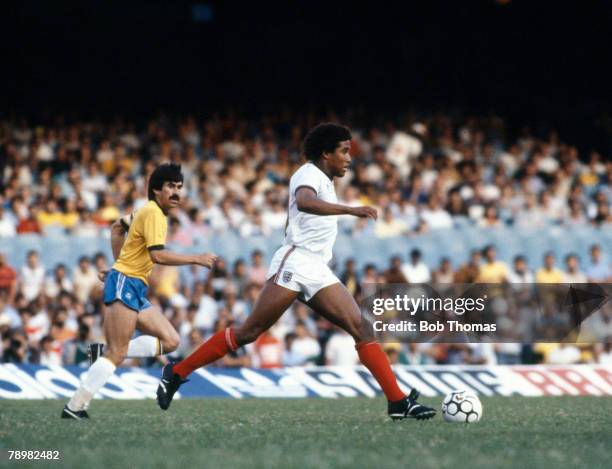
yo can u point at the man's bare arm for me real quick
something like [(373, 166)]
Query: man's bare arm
[(307, 201), (118, 232), (166, 257)]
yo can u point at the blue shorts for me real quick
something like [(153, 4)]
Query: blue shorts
[(131, 291)]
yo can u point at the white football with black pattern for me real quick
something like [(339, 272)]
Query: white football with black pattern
[(461, 406)]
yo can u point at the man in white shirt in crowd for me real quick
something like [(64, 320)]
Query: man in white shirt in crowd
[(435, 216), (305, 345), (340, 350), (520, 272), (572, 273), (84, 279), (8, 223), (32, 276), (416, 271)]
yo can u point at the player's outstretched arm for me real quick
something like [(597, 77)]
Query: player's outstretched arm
[(166, 257), (307, 201)]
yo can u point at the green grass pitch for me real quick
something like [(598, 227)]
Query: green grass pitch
[(318, 433)]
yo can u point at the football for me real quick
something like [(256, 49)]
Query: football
[(461, 406)]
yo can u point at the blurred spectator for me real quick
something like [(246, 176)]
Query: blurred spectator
[(572, 272), (218, 279), (416, 271), (268, 351), (508, 353), (236, 308), (304, 345), (482, 353), (394, 273), (492, 270), (49, 352), (257, 270), (340, 349), (564, 354), (16, 349), (520, 272), (491, 218), (387, 226), (32, 276), (435, 216), (8, 280), (469, 272), (191, 275), (7, 223), (444, 273), (74, 352), (368, 280), (549, 273), (290, 357), (240, 276), (8, 314), (349, 277), (58, 282), (599, 269), (84, 279), (207, 310)]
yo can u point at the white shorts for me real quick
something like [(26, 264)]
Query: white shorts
[(299, 270)]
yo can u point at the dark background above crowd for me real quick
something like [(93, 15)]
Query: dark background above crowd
[(544, 60)]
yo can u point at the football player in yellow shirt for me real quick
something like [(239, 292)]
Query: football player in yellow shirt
[(125, 287)]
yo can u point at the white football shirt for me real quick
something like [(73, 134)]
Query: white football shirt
[(314, 233)]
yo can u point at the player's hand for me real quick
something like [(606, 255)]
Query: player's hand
[(364, 212), (206, 260), (102, 275)]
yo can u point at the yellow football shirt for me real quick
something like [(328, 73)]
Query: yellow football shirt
[(549, 276), (147, 230), (493, 272)]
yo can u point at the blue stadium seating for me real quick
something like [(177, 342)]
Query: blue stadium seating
[(455, 244)]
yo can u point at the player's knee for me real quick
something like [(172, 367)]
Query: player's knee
[(360, 333), (116, 354), (171, 343)]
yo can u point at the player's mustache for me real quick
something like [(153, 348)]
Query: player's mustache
[(175, 197)]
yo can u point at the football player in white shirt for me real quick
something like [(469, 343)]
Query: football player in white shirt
[(299, 270)]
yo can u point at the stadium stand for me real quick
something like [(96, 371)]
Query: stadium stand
[(444, 184)]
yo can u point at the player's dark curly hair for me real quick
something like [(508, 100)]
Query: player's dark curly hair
[(168, 172), (324, 138)]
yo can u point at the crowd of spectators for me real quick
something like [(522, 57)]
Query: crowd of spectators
[(423, 174), (50, 317)]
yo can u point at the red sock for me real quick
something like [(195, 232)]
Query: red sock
[(375, 360), (211, 350)]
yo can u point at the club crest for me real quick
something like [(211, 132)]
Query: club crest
[(287, 276)]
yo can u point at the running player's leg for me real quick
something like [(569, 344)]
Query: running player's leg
[(119, 326), (336, 304), (160, 338), (271, 303)]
